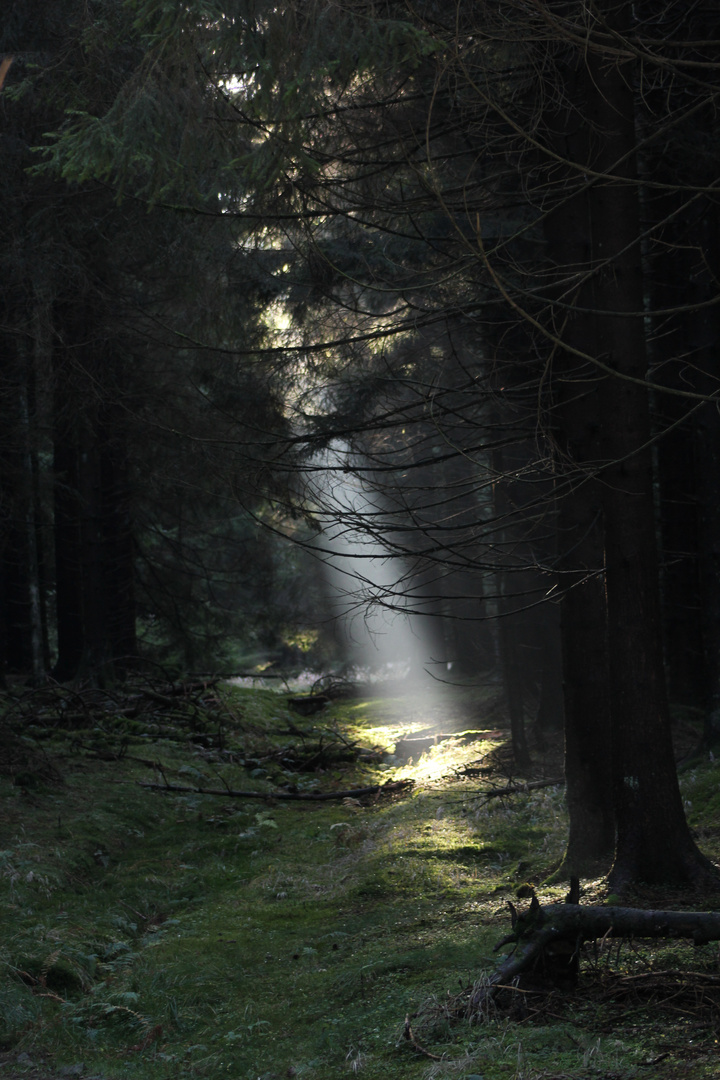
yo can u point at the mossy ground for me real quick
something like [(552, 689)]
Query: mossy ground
[(149, 935)]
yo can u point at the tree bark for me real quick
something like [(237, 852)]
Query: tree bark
[(23, 593), (513, 673), (653, 839), (577, 424), (66, 505), (119, 554), (94, 553), (681, 256), (550, 715), (510, 618), (701, 340)]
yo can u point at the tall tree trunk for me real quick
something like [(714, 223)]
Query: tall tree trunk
[(701, 340), (471, 634), (119, 560), (40, 397), (653, 840), (472, 640), (707, 446), (93, 528), (684, 355), (68, 566), (23, 606), (96, 646), (512, 670), (682, 254), (577, 422), (680, 571), (550, 715), (30, 532), (66, 506), (671, 259), (509, 605)]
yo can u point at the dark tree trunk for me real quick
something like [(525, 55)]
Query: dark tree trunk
[(119, 553), (18, 606), (94, 552), (653, 840), (707, 447), (68, 566), (680, 572), (81, 599), (676, 266), (550, 715), (701, 340), (685, 356), (580, 559), (22, 601), (509, 606), (42, 532), (95, 611), (513, 672), (67, 517), (471, 634), (588, 739), (41, 408), (679, 569)]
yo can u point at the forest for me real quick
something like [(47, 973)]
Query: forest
[(360, 498)]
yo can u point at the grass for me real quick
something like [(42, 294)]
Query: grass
[(157, 935)]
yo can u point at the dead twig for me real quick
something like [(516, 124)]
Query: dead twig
[(409, 1037), (392, 787), (519, 789)]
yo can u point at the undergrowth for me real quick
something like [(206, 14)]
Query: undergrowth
[(156, 934)]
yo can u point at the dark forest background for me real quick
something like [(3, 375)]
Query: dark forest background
[(444, 279)]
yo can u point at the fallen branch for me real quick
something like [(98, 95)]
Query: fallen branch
[(539, 928), (700, 927), (520, 789), (392, 787)]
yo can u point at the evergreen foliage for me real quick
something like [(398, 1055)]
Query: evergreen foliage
[(132, 420)]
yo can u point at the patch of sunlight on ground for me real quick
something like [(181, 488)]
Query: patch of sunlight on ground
[(441, 761)]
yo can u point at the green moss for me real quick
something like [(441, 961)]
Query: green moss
[(153, 935)]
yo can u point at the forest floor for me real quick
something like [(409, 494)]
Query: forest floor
[(151, 934)]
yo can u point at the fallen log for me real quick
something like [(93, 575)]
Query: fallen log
[(391, 787), (700, 927), (540, 930)]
